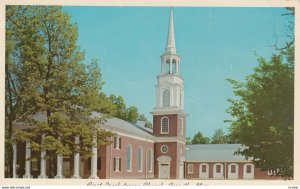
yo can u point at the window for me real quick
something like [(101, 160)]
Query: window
[(164, 149), (167, 71), (149, 163), (117, 142), (272, 172), (164, 125), (190, 168), (166, 98), (181, 150), (233, 168), (218, 168), (128, 158), (117, 164), (140, 159), (248, 169), (203, 168), (174, 69)]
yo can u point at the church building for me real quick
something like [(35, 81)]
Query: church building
[(138, 152)]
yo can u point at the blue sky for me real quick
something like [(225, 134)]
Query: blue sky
[(214, 44)]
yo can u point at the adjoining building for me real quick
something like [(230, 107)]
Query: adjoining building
[(138, 152)]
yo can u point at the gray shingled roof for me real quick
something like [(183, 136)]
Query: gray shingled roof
[(119, 125), (112, 124), (213, 152)]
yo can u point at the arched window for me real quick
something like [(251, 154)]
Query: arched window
[(166, 98), (129, 158), (174, 67), (167, 70), (164, 125), (140, 159), (149, 163)]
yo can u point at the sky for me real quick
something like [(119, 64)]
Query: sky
[(214, 43)]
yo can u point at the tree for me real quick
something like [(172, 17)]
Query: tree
[(200, 139), (188, 140), (45, 75), (219, 137), (132, 114), (264, 113)]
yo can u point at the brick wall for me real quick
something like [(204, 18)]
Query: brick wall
[(107, 154)]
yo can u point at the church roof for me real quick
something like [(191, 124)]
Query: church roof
[(121, 126), (213, 153)]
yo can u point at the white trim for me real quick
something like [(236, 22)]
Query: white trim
[(233, 175), (204, 175), (126, 133), (169, 139), (130, 160), (150, 161), (181, 124), (161, 149), (118, 160), (190, 168), (248, 175), (140, 161), (219, 175), (134, 137), (161, 125)]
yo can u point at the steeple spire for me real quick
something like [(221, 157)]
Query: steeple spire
[(171, 46)]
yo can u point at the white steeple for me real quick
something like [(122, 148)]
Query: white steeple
[(169, 88), (171, 46)]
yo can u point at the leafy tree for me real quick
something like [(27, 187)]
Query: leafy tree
[(200, 139), (132, 114), (264, 113), (45, 76), (188, 140), (219, 137)]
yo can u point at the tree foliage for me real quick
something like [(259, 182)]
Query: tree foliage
[(200, 139), (264, 113), (130, 114), (48, 87), (219, 137)]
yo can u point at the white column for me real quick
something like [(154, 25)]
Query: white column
[(28, 161), (15, 161), (76, 161), (59, 166), (94, 160), (43, 161)]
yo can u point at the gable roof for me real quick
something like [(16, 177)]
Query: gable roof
[(213, 153), (125, 127)]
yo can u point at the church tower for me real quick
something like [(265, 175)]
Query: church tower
[(168, 115)]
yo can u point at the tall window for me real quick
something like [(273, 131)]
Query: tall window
[(167, 71), (218, 168), (140, 159), (174, 69), (117, 142), (149, 163), (248, 169), (166, 98), (190, 168), (233, 168), (203, 168), (117, 164), (129, 158), (165, 125)]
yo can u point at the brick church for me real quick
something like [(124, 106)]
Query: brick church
[(138, 152)]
